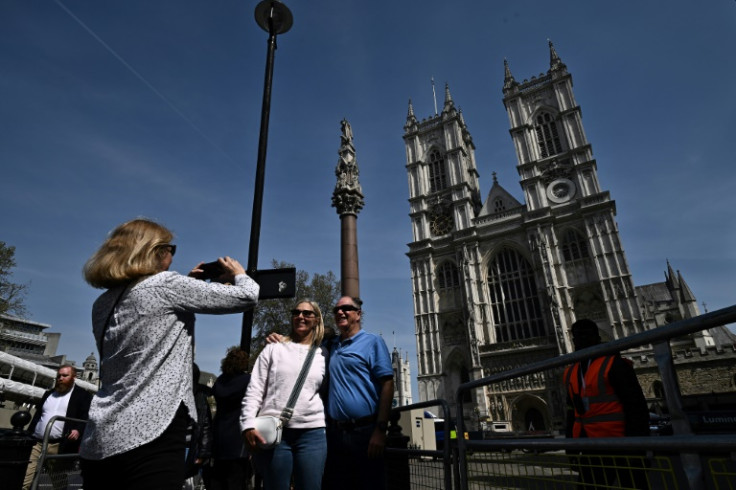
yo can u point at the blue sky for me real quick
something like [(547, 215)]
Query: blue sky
[(113, 110)]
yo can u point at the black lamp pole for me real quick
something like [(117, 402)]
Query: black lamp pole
[(275, 18)]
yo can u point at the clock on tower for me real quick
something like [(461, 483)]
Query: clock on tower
[(440, 222)]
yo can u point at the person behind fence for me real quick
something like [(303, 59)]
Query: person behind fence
[(66, 400), (303, 447), (360, 391), (199, 432), (604, 399), (230, 468), (144, 328)]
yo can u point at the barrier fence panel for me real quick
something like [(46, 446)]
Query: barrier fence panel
[(507, 457), (419, 448), (619, 463), (723, 472), (556, 470), (57, 471), (424, 470), (531, 464)]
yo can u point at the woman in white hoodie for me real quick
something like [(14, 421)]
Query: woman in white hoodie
[(303, 448)]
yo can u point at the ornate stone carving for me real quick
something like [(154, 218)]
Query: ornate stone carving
[(433, 138), (347, 197), (588, 302), (556, 169)]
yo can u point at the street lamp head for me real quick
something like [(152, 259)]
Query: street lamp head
[(272, 14)]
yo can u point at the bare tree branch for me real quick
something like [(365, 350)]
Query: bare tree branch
[(12, 295)]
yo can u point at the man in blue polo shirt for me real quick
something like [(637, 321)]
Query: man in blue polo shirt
[(361, 388)]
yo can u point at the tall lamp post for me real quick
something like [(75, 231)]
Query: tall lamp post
[(275, 18)]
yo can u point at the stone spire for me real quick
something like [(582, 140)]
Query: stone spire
[(555, 63), (348, 195), (411, 119), (509, 84), (671, 278), (508, 78), (449, 104), (348, 200), (685, 292)]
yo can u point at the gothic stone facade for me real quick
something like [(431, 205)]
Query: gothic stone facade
[(498, 283)]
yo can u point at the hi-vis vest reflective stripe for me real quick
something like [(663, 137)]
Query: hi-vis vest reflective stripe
[(604, 416)]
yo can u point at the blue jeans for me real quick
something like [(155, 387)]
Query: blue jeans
[(348, 465), (302, 451)]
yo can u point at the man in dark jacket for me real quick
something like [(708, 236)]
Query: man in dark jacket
[(604, 399), (64, 400)]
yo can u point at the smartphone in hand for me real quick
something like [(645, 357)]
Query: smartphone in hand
[(210, 270)]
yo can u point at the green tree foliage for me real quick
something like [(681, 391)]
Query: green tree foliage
[(11, 294), (273, 315)]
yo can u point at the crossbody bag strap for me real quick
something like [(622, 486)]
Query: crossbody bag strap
[(289, 409), (100, 343)]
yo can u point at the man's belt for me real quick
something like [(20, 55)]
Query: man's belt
[(51, 441), (350, 424)]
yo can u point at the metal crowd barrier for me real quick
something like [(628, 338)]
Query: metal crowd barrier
[(684, 460), (658, 462), (418, 468), (544, 463), (57, 471)]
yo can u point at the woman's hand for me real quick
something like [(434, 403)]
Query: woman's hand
[(252, 438), (197, 271), (230, 268), (274, 338)]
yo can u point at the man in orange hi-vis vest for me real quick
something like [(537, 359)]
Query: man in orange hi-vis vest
[(604, 399)]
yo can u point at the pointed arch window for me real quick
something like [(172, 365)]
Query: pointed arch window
[(578, 264), (574, 246), (498, 205), (437, 172), (517, 313), (547, 135), (448, 276)]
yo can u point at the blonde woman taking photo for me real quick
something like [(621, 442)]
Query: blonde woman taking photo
[(144, 328)]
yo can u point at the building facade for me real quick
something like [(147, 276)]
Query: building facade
[(497, 283), (402, 380), (90, 372), (29, 340), (28, 360)]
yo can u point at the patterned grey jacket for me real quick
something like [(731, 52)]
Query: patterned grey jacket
[(146, 365)]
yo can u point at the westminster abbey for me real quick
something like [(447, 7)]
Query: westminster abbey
[(497, 283)]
